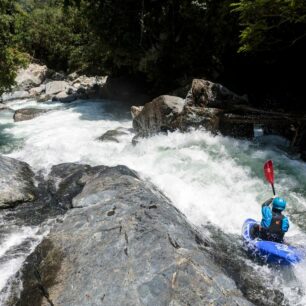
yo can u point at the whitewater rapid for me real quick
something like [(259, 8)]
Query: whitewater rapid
[(213, 180)]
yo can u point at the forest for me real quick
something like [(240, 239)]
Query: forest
[(255, 47)]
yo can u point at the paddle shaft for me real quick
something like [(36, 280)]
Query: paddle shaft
[(273, 189)]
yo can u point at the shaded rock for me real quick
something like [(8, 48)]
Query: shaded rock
[(195, 117), (123, 244), (55, 75), (16, 182), (88, 82), (65, 97), (31, 76), (28, 113), (72, 76), (136, 110), (111, 135), (67, 180), (15, 95), (206, 93), (158, 115), (56, 87)]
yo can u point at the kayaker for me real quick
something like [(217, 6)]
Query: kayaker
[(274, 224)]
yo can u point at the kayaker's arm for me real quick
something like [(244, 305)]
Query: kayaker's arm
[(266, 213), (285, 225), (267, 203)]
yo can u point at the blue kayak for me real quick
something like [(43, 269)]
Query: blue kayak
[(269, 251)]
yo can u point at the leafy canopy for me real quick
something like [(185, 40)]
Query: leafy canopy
[(10, 58), (271, 25)]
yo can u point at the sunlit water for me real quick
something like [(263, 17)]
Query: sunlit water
[(213, 180)]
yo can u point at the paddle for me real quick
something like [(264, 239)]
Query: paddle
[(269, 173)]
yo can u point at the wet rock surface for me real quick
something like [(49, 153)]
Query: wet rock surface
[(168, 113), (158, 115), (205, 93), (217, 109), (28, 114), (16, 182), (112, 135), (122, 243)]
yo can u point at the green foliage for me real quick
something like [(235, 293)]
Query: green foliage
[(10, 58), (48, 33), (161, 39), (270, 25)]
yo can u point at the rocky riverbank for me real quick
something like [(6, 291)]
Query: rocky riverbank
[(203, 104), (39, 82)]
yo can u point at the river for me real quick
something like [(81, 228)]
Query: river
[(216, 181)]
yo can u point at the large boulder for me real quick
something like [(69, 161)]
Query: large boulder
[(168, 113), (55, 87), (16, 182), (122, 244), (112, 135), (31, 76), (207, 105), (209, 94), (64, 97), (158, 115), (28, 113)]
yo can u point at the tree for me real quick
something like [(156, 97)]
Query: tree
[(271, 25), (10, 58), (160, 39)]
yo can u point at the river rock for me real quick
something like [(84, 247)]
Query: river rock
[(205, 93), (31, 76), (158, 115), (111, 135), (55, 87), (28, 114), (168, 113), (19, 94), (16, 182), (64, 97), (122, 244)]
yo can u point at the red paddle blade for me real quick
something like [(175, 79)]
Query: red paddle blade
[(269, 173)]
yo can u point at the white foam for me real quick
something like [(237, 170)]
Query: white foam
[(16, 238), (212, 179)]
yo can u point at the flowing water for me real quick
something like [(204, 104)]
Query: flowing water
[(217, 182)]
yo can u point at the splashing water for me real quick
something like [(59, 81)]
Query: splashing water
[(211, 179)]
